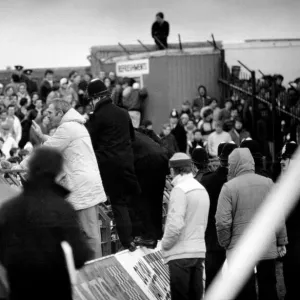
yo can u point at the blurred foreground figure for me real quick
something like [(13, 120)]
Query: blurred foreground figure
[(238, 202), (183, 244), (112, 133), (32, 227), (291, 262)]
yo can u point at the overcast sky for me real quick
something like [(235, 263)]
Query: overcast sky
[(51, 33)]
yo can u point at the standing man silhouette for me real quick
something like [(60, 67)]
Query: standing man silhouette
[(160, 31)]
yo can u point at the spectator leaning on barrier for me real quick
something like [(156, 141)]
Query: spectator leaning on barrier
[(238, 203), (80, 173), (32, 227), (291, 262), (213, 183), (183, 244)]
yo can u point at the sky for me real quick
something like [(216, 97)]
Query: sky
[(59, 33)]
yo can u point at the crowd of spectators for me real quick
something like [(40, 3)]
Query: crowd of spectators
[(23, 101)]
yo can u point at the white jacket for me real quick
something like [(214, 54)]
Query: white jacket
[(184, 235), (80, 173)]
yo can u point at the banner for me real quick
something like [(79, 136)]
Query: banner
[(139, 275), (133, 68)]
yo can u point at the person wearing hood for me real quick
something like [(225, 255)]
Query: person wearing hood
[(112, 134), (213, 183), (238, 203), (200, 160), (80, 172), (33, 225), (254, 148), (151, 168), (291, 262)]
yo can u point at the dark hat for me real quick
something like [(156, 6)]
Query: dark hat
[(174, 114), (253, 146), (186, 102), (199, 155), (19, 68), (288, 150), (276, 76), (27, 72), (96, 88), (227, 148), (297, 80)]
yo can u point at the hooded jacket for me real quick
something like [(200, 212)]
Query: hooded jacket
[(80, 171), (239, 201)]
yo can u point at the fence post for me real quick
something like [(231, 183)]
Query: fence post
[(254, 105), (223, 74), (273, 121)]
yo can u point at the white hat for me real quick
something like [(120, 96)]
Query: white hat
[(63, 81)]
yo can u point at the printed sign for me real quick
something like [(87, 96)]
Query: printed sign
[(139, 275), (133, 68)]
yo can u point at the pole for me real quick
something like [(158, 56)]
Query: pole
[(179, 40), (124, 49), (254, 104), (147, 49), (273, 121), (223, 74)]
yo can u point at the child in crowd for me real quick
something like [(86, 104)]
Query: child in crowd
[(168, 139)]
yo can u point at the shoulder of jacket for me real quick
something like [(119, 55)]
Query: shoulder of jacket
[(189, 185)]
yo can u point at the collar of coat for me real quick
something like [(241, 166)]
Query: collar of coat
[(180, 178), (102, 103)]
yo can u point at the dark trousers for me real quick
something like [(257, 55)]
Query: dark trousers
[(150, 203), (213, 264), (266, 281), (186, 278), (121, 210), (291, 270)]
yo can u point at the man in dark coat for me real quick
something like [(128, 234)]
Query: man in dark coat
[(160, 31), (31, 85), (151, 167), (254, 148), (213, 183), (112, 133), (178, 131), (291, 262), (32, 227)]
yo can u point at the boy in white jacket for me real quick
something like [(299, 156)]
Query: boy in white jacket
[(183, 244)]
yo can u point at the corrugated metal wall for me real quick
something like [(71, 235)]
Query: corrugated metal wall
[(173, 80)]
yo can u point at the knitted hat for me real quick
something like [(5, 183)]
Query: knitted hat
[(63, 81), (227, 149), (253, 146), (199, 155), (288, 150), (180, 160), (174, 114)]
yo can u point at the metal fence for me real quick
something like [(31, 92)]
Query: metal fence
[(282, 105)]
